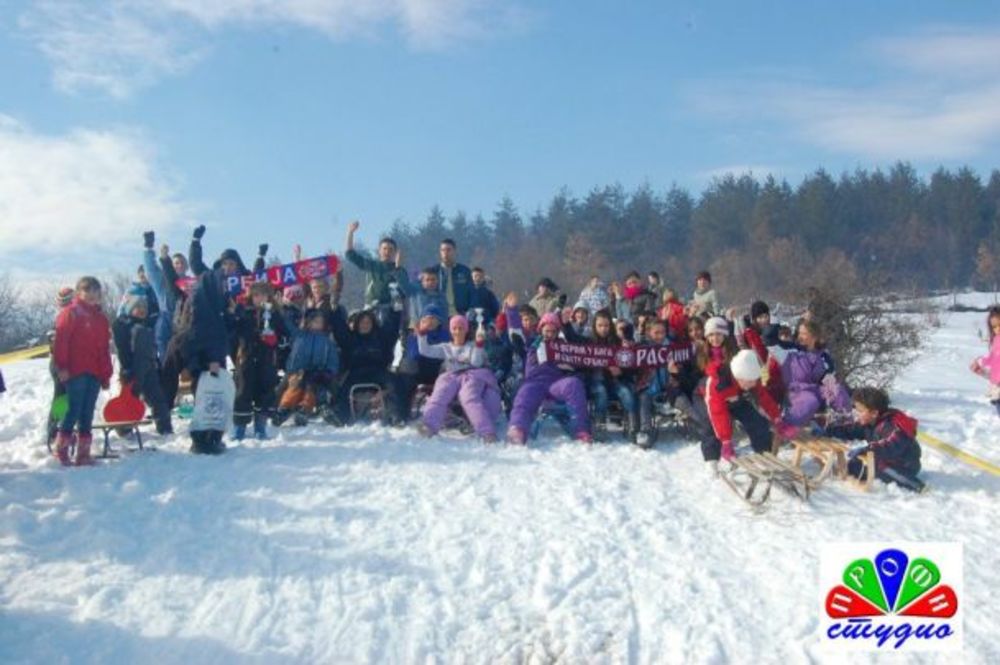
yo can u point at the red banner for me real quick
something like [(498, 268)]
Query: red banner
[(288, 274)]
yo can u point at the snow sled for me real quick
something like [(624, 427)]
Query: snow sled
[(832, 456), (751, 477)]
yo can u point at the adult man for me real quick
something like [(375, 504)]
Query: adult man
[(454, 279), (381, 272)]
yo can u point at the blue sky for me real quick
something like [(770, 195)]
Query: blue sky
[(282, 121)]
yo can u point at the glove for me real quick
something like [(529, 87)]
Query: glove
[(148, 238), (125, 376), (785, 430), (562, 300), (727, 451), (199, 231), (262, 249)]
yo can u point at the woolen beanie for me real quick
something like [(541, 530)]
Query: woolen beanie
[(459, 320), (550, 319), (64, 296), (717, 324), (745, 365), (759, 308)]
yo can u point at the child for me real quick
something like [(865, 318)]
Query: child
[(759, 334), (82, 358), (611, 381), (677, 381), (311, 369), (633, 299), (579, 320), (137, 359), (544, 379), (891, 437), (258, 329), (414, 368), (481, 297), (64, 298), (989, 365), (366, 355), (807, 373), (672, 311), (547, 297), (704, 302), (728, 388), (595, 296), (463, 374), (719, 347)]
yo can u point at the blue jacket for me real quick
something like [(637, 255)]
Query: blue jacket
[(462, 287), (313, 351)]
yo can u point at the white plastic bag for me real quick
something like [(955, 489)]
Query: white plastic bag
[(213, 403)]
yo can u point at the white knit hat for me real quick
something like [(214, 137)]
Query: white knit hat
[(745, 365), (717, 324)]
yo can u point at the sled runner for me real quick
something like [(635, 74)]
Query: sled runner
[(752, 476), (832, 456), (127, 426)]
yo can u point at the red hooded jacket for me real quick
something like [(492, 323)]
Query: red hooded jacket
[(83, 341), (721, 389)]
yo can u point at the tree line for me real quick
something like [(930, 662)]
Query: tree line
[(759, 238)]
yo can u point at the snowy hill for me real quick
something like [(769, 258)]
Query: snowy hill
[(367, 545)]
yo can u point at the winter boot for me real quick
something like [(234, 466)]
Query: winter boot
[(515, 435), (62, 445), (301, 419), (260, 426), (83, 457), (713, 468), (215, 446), (584, 437), (329, 416), (643, 439), (424, 430), (240, 432), (280, 416)]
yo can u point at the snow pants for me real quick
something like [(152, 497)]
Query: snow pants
[(535, 389), (803, 402), (477, 392)]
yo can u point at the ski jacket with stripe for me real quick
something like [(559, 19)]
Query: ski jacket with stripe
[(892, 437)]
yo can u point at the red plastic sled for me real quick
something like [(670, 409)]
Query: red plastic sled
[(126, 408)]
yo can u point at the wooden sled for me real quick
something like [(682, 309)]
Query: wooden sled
[(832, 456), (751, 477)]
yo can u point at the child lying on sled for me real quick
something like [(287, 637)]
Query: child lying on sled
[(891, 436)]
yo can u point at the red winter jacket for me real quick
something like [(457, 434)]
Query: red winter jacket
[(673, 314), (721, 389), (82, 344)]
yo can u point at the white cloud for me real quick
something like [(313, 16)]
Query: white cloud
[(118, 46), (64, 197), (940, 101)]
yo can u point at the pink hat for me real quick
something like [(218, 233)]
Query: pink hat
[(459, 320), (550, 319)]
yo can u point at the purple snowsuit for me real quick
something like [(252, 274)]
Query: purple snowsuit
[(463, 376), (811, 385), (545, 380)]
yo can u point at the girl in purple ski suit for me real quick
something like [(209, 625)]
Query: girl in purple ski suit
[(807, 372), (545, 379), (465, 375)]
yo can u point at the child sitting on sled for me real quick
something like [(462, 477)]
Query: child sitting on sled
[(310, 371), (137, 365), (891, 436), (464, 375)]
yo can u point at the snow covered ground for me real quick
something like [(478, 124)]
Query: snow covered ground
[(365, 545)]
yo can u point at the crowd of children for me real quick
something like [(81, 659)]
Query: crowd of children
[(297, 352)]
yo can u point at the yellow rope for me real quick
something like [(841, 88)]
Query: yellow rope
[(25, 354), (949, 449)]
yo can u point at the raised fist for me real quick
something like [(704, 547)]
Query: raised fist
[(262, 249), (148, 239), (199, 231), (353, 226)]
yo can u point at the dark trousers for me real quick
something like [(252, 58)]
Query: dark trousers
[(742, 411), (82, 391), (256, 380), (151, 389), (886, 475)]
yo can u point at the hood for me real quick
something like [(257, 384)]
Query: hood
[(435, 310), (904, 422), (233, 255)]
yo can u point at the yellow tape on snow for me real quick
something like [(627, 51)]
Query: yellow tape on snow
[(949, 449), (25, 354)]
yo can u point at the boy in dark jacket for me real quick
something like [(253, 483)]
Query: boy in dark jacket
[(480, 296), (891, 436), (137, 363), (311, 369), (259, 327)]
